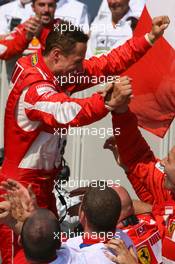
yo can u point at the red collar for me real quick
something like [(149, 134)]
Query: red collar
[(43, 64)]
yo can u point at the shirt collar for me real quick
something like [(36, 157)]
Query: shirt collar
[(61, 3), (43, 65), (124, 18), (91, 240)]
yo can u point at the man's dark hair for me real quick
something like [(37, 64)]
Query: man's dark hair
[(64, 36), (37, 236), (33, 1), (102, 208)]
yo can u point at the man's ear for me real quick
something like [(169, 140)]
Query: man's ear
[(19, 241), (82, 217), (55, 54)]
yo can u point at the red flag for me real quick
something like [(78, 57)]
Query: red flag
[(154, 75)]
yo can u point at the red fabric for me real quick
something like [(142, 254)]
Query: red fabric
[(168, 249), (6, 242), (144, 169), (15, 43), (146, 238), (154, 83), (166, 227), (20, 258)]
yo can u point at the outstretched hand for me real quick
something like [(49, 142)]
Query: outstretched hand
[(33, 27), (23, 200)]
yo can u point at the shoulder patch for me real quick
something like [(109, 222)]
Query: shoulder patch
[(171, 228), (34, 59), (144, 255)]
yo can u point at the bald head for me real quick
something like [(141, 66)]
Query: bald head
[(37, 236), (126, 202)]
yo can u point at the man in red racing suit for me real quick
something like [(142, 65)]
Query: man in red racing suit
[(38, 105), (144, 169)]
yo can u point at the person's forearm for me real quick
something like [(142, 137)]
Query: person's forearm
[(135, 154), (130, 142), (119, 59), (14, 43)]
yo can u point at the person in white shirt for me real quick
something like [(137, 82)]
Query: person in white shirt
[(99, 212), (135, 5), (111, 29)]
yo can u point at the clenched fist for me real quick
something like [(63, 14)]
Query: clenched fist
[(121, 94), (33, 27), (159, 24)]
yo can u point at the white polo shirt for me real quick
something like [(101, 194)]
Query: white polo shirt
[(104, 36), (75, 242), (72, 251)]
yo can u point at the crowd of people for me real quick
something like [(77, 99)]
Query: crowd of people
[(51, 45)]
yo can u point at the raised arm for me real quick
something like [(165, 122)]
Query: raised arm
[(119, 59), (134, 151), (138, 186)]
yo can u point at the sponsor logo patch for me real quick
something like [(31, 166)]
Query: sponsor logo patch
[(144, 255), (141, 230), (34, 59), (171, 228)]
